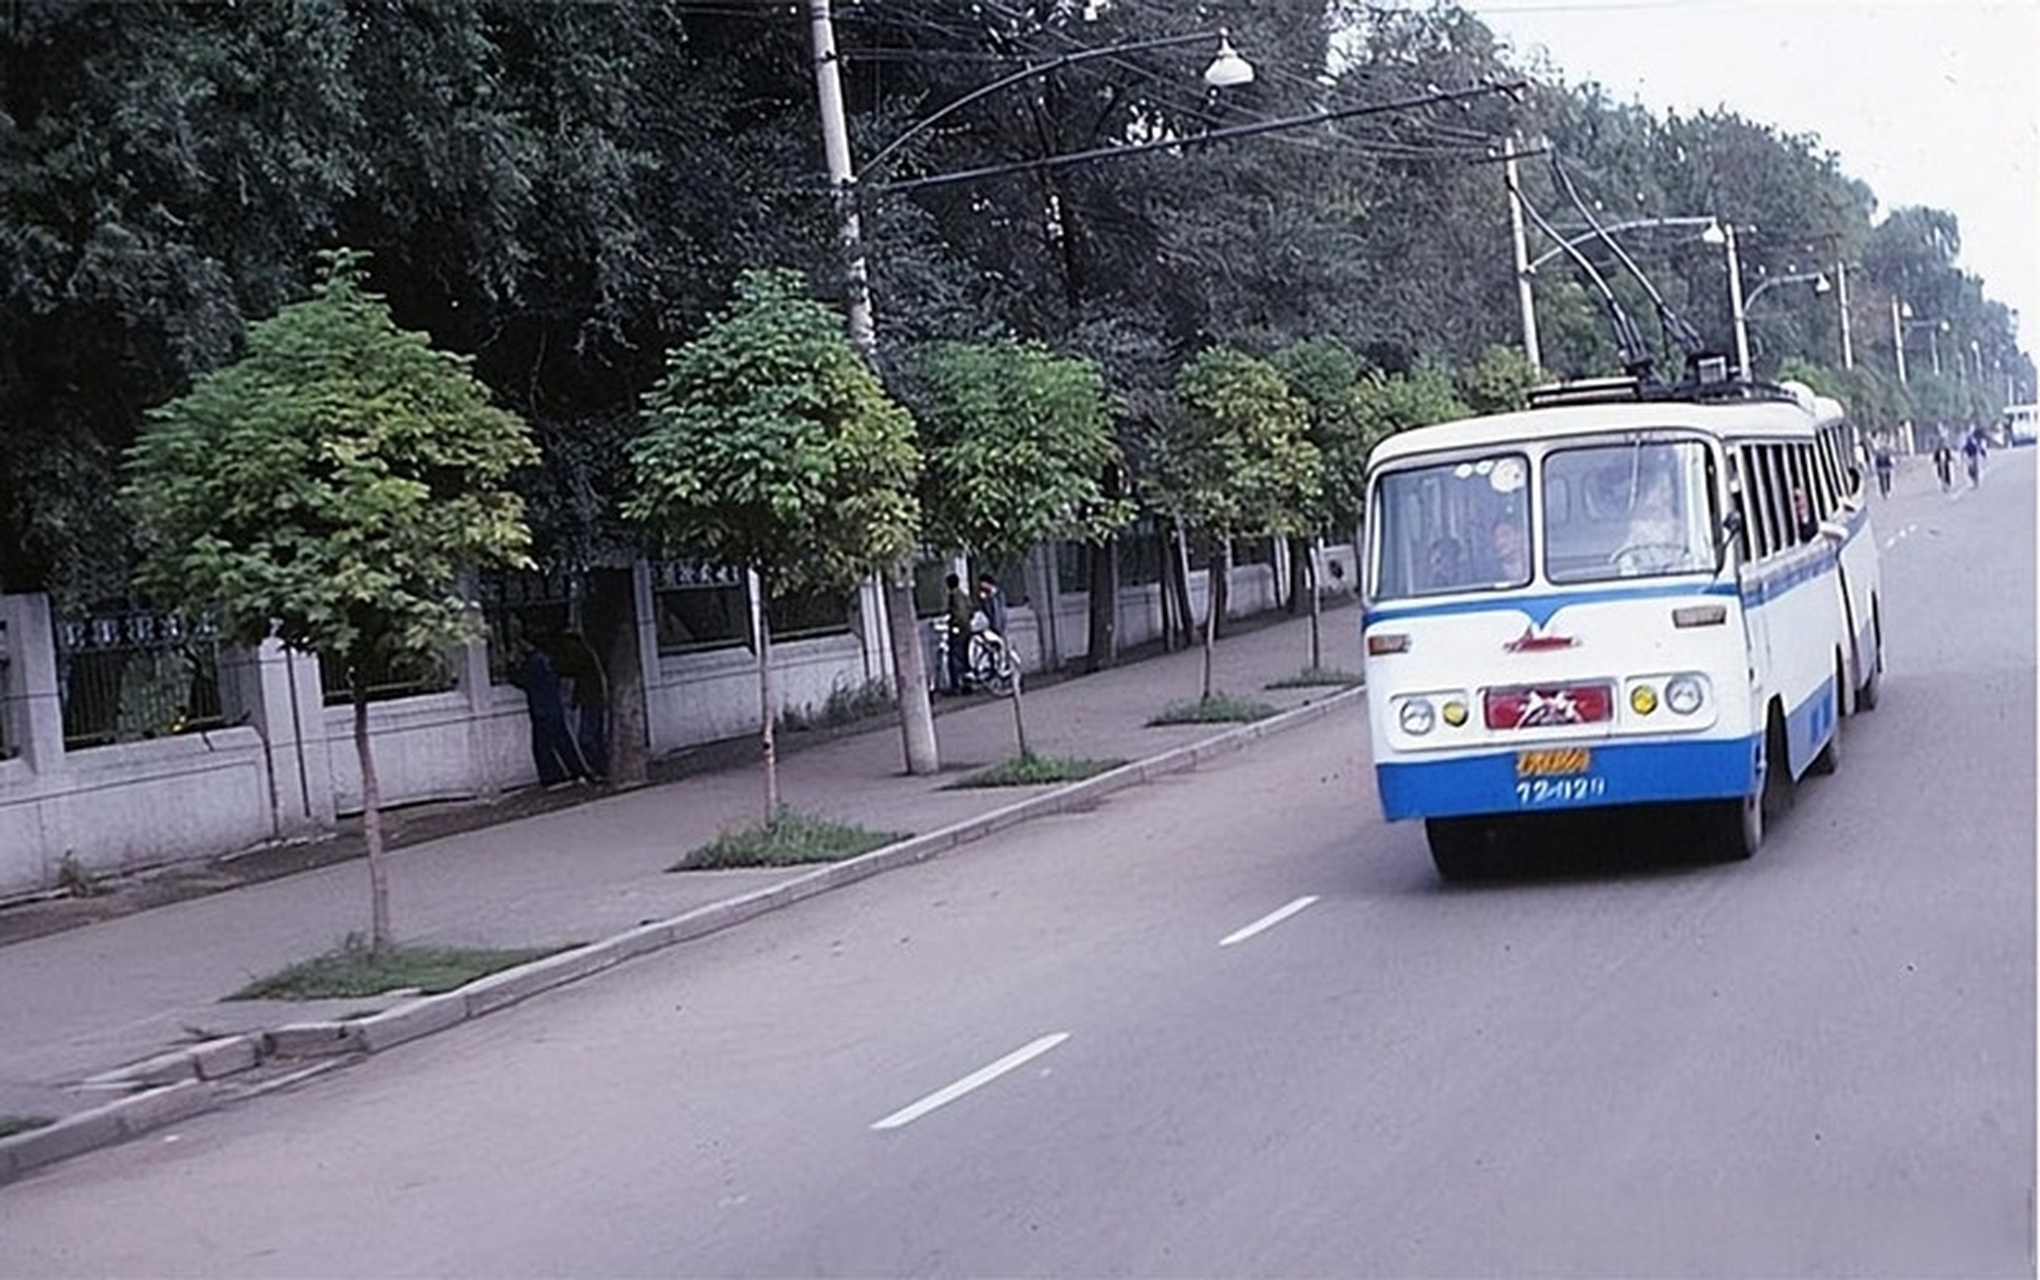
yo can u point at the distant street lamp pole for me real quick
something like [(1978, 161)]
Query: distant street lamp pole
[(1526, 302), (1899, 311), (1901, 320), (1842, 294)]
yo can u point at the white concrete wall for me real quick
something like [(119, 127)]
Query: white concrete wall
[(291, 771)]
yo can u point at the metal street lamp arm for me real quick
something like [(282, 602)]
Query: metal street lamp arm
[(1810, 277), (1673, 324), (1195, 139), (1635, 354), (1053, 64), (1612, 229)]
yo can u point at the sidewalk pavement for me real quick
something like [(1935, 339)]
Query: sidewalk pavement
[(118, 1026)]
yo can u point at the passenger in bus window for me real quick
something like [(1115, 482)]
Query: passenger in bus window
[(1802, 517), (1655, 541), (1512, 556), (1445, 565)]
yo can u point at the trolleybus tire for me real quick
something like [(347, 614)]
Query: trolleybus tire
[(1867, 692), (1830, 756), (1740, 827), (1776, 797), (1461, 848)]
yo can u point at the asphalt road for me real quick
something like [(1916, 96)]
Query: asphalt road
[(1231, 1024)]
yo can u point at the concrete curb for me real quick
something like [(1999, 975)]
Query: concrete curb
[(182, 1083)]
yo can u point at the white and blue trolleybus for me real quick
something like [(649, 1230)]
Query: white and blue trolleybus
[(1624, 595)]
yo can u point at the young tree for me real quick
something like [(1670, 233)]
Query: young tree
[(1016, 439), (1235, 461), (770, 444), (327, 488), (1326, 374), (1499, 381)]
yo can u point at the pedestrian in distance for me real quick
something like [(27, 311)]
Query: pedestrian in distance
[(1944, 462), (553, 748), (1884, 462), (1972, 456)]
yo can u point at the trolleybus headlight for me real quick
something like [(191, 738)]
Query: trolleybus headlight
[(1416, 716), (1454, 712), (1684, 694), (1643, 699)]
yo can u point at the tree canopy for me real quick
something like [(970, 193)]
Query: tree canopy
[(564, 192)]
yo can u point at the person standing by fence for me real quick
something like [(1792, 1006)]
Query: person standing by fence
[(553, 748)]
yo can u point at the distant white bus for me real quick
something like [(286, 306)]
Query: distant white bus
[(1620, 596), (2021, 423)]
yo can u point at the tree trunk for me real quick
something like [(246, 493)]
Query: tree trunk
[(1104, 580), (611, 619), (1019, 720), (371, 815), (1041, 593), (1210, 633), (1221, 584), (1302, 573), (910, 674), (1316, 554), (768, 722), (1167, 587), (1177, 576)]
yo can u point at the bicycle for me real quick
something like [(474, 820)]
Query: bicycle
[(989, 663)]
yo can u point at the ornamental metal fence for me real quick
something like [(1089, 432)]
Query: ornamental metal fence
[(131, 676)]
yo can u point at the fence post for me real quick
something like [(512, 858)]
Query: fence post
[(32, 675), (479, 690), (286, 704)]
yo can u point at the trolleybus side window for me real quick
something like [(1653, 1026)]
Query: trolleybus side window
[(1756, 507), (1772, 491), (1738, 487), (1826, 477), (1799, 494)]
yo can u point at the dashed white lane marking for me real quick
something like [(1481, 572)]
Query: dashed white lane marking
[(975, 1080), (1268, 921), (1895, 538)]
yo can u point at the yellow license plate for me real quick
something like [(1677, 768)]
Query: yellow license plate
[(1553, 762)]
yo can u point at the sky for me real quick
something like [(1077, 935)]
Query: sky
[(1929, 102)]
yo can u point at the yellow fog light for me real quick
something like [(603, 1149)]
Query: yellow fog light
[(1455, 713), (1643, 699)]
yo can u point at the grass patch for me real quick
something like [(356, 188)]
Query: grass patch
[(1031, 770), (1219, 708), (790, 839), (11, 1125), (74, 878), (355, 968), (1313, 677), (845, 704)]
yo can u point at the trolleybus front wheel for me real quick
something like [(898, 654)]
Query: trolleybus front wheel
[(1462, 848)]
